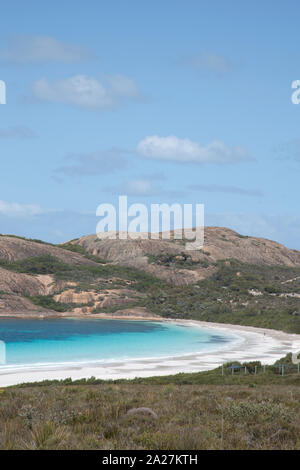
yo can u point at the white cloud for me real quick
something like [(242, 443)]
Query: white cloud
[(213, 63), (36, 49), (87, 92), (172, 148), (15, 209)]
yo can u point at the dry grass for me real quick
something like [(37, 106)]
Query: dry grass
[(189, 417)]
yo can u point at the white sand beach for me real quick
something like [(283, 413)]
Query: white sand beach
[(252, 344)]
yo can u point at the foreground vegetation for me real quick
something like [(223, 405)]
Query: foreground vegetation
[(194, 411)]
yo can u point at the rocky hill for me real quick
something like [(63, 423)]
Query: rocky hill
[(169, 259), (233, 278), (14, 248)]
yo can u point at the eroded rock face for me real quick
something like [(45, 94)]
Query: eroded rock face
[(14, 286), (25, 284), (70, 296), (17, 304), (107, 298), (19, 283)]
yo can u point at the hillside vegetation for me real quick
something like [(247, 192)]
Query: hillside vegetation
[(258, 286)]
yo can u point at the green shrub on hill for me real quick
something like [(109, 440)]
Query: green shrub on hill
[(44, 264), (182, 260), (47, 301)]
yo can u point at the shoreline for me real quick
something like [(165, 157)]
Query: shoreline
[(139, 315), (256, 344)]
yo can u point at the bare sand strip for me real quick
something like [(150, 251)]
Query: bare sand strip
[(251, 344)]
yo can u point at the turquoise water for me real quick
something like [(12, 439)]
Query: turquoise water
[(44, 341)]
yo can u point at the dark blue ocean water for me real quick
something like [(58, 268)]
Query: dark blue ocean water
[(40, 341)]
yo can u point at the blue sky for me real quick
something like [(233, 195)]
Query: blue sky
[(167, 101)]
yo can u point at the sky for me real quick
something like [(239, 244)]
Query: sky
[(165, 101)]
